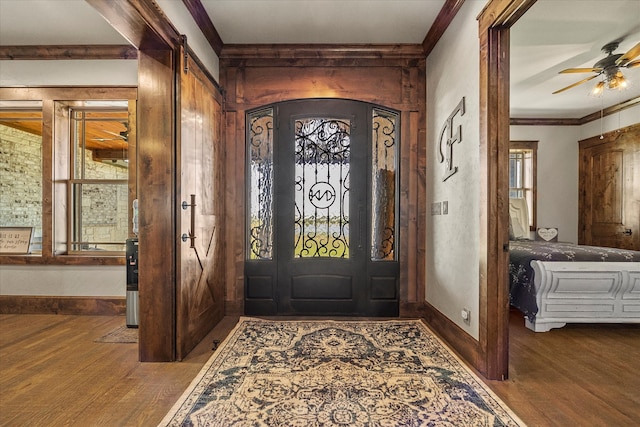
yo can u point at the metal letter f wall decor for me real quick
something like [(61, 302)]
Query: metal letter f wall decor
[(449, 137)]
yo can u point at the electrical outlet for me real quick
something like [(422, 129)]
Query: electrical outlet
[(445, 207), (466, 315)]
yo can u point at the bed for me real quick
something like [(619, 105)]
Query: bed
[(554, 283)]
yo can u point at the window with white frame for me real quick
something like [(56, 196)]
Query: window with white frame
[(522, 175)]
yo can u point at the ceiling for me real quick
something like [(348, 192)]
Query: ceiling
[(552, 35), (557, 34)]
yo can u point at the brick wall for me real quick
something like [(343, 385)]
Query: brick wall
[(105, 209), (21, 180)]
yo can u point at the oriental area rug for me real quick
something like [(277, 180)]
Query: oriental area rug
[(303, 373)]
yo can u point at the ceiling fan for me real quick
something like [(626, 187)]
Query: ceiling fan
[(609, 67), (120, 136)]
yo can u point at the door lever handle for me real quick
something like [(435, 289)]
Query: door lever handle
[(627, 232)]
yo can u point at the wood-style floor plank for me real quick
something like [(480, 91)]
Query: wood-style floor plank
[(52, 373), (579, 375)]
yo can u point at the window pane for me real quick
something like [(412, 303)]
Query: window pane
[(522, 175), (99, 184), (101, 137), (321, 187), (261, 190), (100, 217), (383, 185), (21, 172)]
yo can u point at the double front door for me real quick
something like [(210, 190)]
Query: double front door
[(321, 217)]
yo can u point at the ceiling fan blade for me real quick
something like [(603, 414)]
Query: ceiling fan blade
[(633, 64), (581, 70), (575, 84), (631, 54), (124, 138)]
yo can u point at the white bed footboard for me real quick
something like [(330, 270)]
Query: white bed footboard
[(585, 292)]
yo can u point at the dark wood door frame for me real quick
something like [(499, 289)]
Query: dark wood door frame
[(494, 24)]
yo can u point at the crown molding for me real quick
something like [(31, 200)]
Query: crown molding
[(47, 52), (516, 121)]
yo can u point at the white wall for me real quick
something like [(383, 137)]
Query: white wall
[(452, 272), (99, 72), (63, 280), (557, 202), (558, 167), (624, 118)]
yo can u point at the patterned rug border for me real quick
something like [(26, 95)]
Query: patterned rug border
[(223, 347)]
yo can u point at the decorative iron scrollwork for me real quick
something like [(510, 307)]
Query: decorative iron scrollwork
[(321, 219), (261, 176), (383, 185)]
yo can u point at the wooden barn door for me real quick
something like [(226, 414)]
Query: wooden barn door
[(199, 287), (610, 190)]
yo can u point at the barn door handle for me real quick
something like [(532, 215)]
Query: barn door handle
[(191, 234), (627, 232)]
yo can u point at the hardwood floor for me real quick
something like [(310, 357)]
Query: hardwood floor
[(579, 375), (52, 373)]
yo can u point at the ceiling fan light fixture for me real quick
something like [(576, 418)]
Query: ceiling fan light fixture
[(622, 82), (616, 81), (597, 90), (608, 68)]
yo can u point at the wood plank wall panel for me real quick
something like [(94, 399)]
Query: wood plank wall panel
[(406, 239), (234, 192), (264, 85), (412, 199), (49, 149), (390, 76), (88, 306), (82, 52)]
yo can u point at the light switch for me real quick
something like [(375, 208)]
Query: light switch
[(436, 208)]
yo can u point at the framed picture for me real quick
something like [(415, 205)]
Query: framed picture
[(15, 240)]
